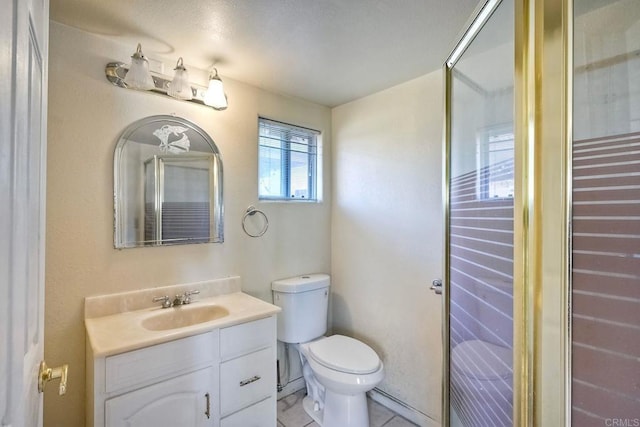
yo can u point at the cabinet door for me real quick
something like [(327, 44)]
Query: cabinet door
[(180, 401)]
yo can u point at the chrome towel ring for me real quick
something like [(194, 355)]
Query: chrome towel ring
[(251, 211)]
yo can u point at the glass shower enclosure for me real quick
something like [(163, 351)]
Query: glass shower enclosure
[(480, 176), (542, 216)]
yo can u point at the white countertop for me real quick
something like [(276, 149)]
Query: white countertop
[(123, 331)]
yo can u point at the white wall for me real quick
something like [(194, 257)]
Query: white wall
[(86, 116), (387, 233)]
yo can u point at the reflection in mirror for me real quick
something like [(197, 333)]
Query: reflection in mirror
[(167, 184)]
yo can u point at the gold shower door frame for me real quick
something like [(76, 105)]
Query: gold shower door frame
[(542, 208)]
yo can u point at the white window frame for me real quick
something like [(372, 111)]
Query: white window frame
[(485, 139), (314, 155)]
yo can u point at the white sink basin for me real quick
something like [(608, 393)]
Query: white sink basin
[(124, 322), (180, 317)]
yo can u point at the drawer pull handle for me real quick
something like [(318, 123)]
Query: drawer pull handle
[(208, 410), (249, 381)]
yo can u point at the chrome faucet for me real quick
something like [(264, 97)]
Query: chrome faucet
[(166, 301), (180, 299), (185, 298)]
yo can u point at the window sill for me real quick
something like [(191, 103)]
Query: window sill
[(303, 201)]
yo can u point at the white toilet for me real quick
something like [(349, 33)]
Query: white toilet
[(338, 370)]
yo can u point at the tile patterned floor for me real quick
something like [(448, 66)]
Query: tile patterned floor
[(291, 414)]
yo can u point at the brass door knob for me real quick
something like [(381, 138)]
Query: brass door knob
[(47, 374)]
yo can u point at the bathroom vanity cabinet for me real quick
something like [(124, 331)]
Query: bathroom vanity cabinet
[(225, 377)]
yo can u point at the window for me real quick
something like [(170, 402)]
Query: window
[(495, 155), (288, 161)]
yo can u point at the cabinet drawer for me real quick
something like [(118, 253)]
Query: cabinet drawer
[(247, 337), (261, 414), (247, 380), (160, 361)]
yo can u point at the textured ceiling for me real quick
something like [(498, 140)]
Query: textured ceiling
[(325, 51)]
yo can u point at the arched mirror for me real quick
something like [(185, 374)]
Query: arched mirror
[(167, 184)]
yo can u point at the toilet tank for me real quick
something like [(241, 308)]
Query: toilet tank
[(304, 301)]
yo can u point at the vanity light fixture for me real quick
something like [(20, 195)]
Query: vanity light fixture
[(215, 96), (179, 86), (138, 76)]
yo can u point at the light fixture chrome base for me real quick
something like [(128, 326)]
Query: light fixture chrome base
[(116, 71)]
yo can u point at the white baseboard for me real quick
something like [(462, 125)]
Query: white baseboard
[(292, 387), (402, 409), (385, 399)]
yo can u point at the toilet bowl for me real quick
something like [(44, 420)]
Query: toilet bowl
[(338, 370), (345, 369), (343, 364)]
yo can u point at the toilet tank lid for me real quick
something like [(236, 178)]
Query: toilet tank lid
[(304, 283)]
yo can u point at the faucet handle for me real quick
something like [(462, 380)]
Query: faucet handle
[(166, 301), (187, 296)]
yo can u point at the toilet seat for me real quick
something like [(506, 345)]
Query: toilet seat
[(482, 360), (344, 354)]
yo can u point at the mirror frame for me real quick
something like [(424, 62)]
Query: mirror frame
[(216, 193)]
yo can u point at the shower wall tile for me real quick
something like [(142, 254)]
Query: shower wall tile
[(591, 332), (606, 280), (618, 314), (623, 287)]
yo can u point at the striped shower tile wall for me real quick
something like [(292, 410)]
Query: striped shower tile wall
[(180, 221), (481, 297), (606, 280), (186, 221)]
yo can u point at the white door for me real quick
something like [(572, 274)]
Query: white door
[(23, 93)]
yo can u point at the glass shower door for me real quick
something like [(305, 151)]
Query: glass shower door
[(479, 247), (606, 214)]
